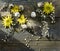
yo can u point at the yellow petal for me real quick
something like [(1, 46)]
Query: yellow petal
[(7, 21), (22, 20)]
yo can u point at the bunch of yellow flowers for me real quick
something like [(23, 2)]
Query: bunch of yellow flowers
[(48, 8), (7, 21)]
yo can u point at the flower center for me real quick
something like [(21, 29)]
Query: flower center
[(48, 7), (7, 21)]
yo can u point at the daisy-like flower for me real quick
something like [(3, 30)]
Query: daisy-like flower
[(7, 21), (22, 20), (15, 9), (48, 8)]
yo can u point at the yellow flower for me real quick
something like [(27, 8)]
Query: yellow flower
[(7, 21), (15, 9), (22, 20), (48, 8)]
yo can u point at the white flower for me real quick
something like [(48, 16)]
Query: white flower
[(39, 4), (24, 26), (17, 14), (33, 14), (21, 7), (29, 24), (11, 5)]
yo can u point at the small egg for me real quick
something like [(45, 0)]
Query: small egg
[(33, 14)]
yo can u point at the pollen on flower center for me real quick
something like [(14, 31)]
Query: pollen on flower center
[(48, 7), (7, 21)]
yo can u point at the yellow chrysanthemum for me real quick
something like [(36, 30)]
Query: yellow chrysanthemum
[(48, 8), (22, 20), (15, 9), (7, 21)]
